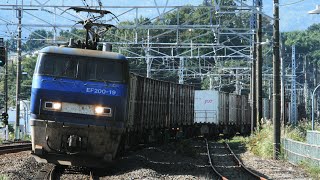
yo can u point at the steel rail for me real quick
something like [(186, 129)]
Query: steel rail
[(12, 148), (93, 175), (211, 165), (48, 172), (244, 168), (237, 160)]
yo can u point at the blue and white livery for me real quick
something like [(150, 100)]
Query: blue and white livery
[(78, 105)]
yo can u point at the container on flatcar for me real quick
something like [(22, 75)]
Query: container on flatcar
[(159, 104), (223, 108), (220, 112), (234, 109), (245, 111), (206, 107), (158, 109)]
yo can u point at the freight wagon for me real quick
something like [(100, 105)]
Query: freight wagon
[(158, 110), (221, 113)]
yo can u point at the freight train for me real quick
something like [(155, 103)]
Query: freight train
[(86, 107)]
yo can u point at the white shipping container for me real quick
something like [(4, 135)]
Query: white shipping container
[(206, 106)]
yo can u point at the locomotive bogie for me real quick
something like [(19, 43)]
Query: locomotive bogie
[(60, 140)]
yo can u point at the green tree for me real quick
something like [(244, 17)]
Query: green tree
[(37, 39), (28, 65)]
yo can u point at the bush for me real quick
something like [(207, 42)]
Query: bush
[(27, 137), (261, 142)]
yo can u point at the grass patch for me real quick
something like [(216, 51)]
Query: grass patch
[(261, 143), (238, 139), (299, 132), (27, 137), (295, 133), (3, 177), (312, 170)]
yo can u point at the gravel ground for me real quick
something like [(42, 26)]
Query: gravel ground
[(165, 162), (273, 169), (19, 166), (270, 169), (174, 161)]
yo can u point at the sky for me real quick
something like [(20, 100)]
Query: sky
[(293, 13)]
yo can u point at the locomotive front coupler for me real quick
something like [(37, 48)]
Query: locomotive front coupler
[(74, 141)]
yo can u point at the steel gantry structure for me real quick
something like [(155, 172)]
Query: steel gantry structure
[(190, 47)]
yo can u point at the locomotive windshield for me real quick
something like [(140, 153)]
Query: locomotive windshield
[(80, 67)]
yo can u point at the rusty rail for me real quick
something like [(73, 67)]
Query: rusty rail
[(12, 148), (48, 172), (236, 160), (94, 175), (210, 161), (244, 168)]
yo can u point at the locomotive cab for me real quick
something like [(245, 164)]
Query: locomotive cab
[(78, 105)]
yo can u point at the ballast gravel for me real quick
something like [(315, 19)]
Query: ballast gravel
[(172, 161)]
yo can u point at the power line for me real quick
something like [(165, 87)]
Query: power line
[(289, 4)]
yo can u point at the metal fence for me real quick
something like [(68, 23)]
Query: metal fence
[(297, 152), (313, 137)]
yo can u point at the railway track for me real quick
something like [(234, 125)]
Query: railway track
[(53, 172), (48, 172), (15, 147), (226, 165)]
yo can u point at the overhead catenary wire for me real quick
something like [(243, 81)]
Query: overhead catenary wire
[(289, 4), (198, 35)]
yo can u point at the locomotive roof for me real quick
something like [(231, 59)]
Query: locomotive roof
[(82, 52)]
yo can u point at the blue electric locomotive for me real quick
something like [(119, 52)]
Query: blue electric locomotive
[(79, 105)]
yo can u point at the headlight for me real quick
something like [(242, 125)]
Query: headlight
[(99, 110), (105, 111), (55, 106)]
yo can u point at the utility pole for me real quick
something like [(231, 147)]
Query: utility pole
[(237, 82), (315, 83), (253, 93), (253, 73), (283, 92), (148, 61), (305, 86), (6, 82), (259, 64), (17, 125), (276, 80), (181, 69), (293, 117)]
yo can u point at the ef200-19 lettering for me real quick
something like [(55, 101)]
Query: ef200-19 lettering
[(101, 91)]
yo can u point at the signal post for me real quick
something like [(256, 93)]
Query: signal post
[(3, 62)]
